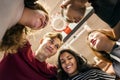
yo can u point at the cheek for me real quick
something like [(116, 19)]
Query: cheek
[(75, 68), (75, 64), (63, 66), (89, 39), (71, 13), (98, 46), (55, 50), (91, 45)]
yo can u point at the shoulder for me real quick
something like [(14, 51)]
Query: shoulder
[(115, 51)]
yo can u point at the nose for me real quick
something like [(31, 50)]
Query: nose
[(66, 62), (90, 37), (91, 40), (52, 46)]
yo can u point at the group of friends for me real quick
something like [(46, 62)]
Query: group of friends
[(21, 63)]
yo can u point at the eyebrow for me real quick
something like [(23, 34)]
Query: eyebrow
[(58, 45), (66, 57)]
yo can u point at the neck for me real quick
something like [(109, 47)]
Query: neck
[(41, 58), (72, 74)]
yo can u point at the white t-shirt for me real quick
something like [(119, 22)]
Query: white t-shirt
[(10, 13)]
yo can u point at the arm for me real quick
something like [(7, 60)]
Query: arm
[(116, 51), (47, 69), (103, 75)]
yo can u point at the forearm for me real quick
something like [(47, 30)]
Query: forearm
[(115, 52)]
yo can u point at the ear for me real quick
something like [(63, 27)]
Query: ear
[(41, 40)]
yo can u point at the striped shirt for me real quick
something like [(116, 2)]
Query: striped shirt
[(93, 74)]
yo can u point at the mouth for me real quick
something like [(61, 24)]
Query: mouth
[(93, 41), (38, 25), (49, 50), (68, 67), (44, 23)]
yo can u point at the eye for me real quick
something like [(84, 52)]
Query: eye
[(57, 46), (69, 58), (62, 61), (91, 35), (52, 41)]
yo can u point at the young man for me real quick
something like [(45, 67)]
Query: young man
[(26, 65)]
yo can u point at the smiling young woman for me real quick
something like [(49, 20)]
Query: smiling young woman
[(73, 67)]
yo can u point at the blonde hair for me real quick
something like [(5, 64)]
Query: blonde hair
[(102, 54), (109, 33), (53, 35)]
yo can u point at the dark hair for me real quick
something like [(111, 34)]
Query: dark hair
[(82, 65)]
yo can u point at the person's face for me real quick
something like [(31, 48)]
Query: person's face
[(72, 15), (49, 47), (39, 20), (97, 40), (68, 63), (35, 19)]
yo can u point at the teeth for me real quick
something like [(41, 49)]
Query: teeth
[(68, 67)]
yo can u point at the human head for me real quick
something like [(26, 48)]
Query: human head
[(49, 45), (97, 39), (69, 58), (34, 15), (13, 38), (73, 10)]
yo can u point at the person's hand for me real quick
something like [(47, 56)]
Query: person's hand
[(35, 19)]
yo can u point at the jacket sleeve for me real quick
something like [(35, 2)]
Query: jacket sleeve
[(103, 75), (115, 52)]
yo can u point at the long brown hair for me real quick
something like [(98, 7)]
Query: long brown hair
[(15, 37)]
